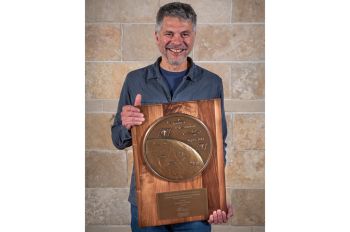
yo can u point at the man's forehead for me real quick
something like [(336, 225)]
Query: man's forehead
[(176, 22)]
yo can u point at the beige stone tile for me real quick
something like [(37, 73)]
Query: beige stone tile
[(246, 170), (249, 207), (107, 206), (229, 192), (121, 11), (106, 169), (102, 42), (107, 228), (228, 195), (249, 132), (248, 81), (230, 42), (222, 70), (244, 105), (130, 162), (104, 80), (93, 106), (205, 12), (248, 11), (258, 228), (229, 228), (110, 106), (229, 138), (101, 106), (139, 43), (98, 131)]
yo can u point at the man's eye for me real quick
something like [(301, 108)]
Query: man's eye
[(185, 34), (168, 34)]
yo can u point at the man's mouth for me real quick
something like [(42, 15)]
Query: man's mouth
[(176, 51)]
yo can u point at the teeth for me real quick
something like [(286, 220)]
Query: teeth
[(175, 50)]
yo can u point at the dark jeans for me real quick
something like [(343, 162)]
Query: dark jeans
[(200, 226)]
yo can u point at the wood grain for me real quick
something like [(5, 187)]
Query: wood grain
[(212, 178)]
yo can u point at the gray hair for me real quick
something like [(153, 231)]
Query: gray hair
[(176, 9)]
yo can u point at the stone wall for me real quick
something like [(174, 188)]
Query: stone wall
[(229, 42)]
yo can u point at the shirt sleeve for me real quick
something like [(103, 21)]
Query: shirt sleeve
[(121, 136)]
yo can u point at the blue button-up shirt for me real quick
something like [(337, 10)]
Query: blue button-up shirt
[(198, 84)]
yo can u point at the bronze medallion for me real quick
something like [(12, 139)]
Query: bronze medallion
[(177, 147)]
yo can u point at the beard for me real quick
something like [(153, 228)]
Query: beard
[(177, 61), (176, 54)]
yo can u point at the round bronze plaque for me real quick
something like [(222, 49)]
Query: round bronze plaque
[(177, 147)]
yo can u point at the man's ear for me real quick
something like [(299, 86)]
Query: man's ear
[(156, 36)]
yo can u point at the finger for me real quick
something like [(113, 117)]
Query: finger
[(128, 108), (129, 125), (137, 100), (224, 218), (215, 217), (131, 121), (128, 121), (138, 119), (219, 215), (211, 219), (131, 114)]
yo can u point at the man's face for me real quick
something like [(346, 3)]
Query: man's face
[(175, 40)]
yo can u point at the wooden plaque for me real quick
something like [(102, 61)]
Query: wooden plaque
[(151, 188)]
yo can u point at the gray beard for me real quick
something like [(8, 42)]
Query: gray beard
[(177, 62)]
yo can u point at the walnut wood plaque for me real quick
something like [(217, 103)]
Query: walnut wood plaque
[(178, 158)]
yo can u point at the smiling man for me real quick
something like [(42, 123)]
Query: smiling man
[(175, 38), (174, 77)]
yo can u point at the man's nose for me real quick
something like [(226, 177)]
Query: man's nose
[(177, 39)]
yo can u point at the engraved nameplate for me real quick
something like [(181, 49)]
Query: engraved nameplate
[(182, 204), (177, 147)]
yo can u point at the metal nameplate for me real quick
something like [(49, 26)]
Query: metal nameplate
[(182, 204)]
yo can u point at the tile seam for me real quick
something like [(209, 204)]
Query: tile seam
[(208, 23), (121, 42), (196, 61), (231, 15), (229, 99)]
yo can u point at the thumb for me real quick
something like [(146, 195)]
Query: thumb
[(138, 100)]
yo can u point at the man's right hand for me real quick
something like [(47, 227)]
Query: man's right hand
[(131, 115)]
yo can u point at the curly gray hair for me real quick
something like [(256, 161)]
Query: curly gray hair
[(176, 9)]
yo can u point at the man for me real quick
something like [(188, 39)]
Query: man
[(172, 78)]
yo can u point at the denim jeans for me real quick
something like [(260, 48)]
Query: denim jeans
[(197, 226)]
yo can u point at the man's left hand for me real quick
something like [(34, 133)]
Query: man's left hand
[(219, 216)]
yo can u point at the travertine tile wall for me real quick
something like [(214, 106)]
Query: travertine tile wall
[(230, 42)]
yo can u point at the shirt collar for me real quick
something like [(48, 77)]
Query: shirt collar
[(155, 73)]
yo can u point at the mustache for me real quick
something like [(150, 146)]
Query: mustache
[(172, 46)]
